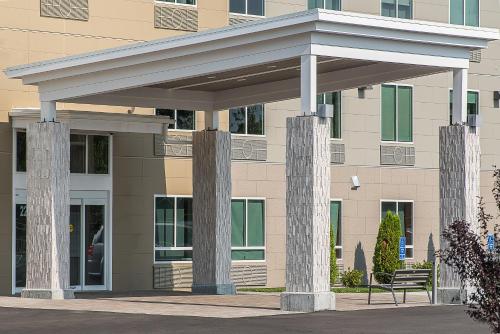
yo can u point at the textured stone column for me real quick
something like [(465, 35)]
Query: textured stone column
[(459, 188), (307, 215), (212, 213), (47, 233)]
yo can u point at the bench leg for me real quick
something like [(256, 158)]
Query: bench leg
[(428, 294), (404, 296), (394, 296), (370, 290)]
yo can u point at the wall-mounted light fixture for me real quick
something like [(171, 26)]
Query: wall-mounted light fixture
[(362, 91), (355, 183)]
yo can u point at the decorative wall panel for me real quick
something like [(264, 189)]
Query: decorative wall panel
[(244, 148), (176, 146), (65, 9), (176, 17), (475, 56), (337, 152), (397, 155), (237, 19)]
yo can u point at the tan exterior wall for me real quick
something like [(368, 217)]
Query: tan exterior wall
[(138, 174)]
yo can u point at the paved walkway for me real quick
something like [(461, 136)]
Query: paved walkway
[(184, 304)]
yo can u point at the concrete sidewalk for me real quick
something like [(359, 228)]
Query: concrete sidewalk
[(186, 304)]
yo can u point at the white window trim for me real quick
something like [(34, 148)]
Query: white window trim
[(340, 6), (246, 10), (175, 122), (341, 247), (397, 11), (412, 142), (177, 4), (246, 134), (246, 199), (463, 2), (175, 197), (412, 246)]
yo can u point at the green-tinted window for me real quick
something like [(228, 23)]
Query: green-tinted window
[(184, 119), (247, 120), (21, 151), (78, 147), (397, 113), (336, 221), (472, 104), (238, 217), (402, 9), (185, 2), (335, 99), (173, 229), (464, 12), (405, 212), (98, 154), (247, 229), (324, 4), (249, 7), (389, 8)]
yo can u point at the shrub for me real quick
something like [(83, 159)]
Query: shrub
[(386, 257), (352, 278), (334, 271), (477, 267), (426, 265)]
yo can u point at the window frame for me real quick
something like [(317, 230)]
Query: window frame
[(246, 134), (246, 199), (175, 197), (110, 156), (340, 6), (397, 11), (397, 100), (175, 119), (464, 14), (331, 125), (397, 201), (341, 247), (450, 103), (175, 3), (246, 10)]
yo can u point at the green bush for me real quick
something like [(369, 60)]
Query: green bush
[(352, 278), (386, 257), (334, 272), (426, 265)]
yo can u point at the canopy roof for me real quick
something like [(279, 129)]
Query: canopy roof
[(256, 62)]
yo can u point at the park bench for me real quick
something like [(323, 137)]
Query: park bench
[(404, 279)]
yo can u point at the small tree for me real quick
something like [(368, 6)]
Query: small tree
[(475, 265), (386, 257), (334, 272)]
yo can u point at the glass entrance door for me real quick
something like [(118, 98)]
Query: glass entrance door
[(88, 244)]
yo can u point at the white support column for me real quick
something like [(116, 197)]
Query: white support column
[(459, 112), (212, 213), (48, 111), (459, 191), (307, 215), (211, 120), (47, 232), (308, 82)]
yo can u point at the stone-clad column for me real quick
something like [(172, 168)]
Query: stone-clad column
[(459, 188), (307, 215), (47, 233), (212, 212)]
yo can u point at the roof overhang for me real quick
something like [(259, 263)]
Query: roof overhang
[(96, 121), (256, 62)]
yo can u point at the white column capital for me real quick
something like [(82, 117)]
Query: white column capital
[(211, 120), (308, 82), (459, 111), (48, 111)]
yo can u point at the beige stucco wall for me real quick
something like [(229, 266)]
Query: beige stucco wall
[(26, 37)]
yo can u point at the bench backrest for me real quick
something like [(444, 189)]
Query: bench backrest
[(411, 276)]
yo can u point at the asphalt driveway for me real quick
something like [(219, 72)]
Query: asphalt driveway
[(439, 319)]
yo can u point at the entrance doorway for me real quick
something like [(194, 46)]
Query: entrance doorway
[(89, 241)]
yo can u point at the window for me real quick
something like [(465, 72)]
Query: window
[(402, 9), (333, 98), (182, 2), (397, 113), (464, 12), (336, 221), (173, 228), (247, 7), (184, 119), (247, 229), (89, 154), (247, 120), (404, 210), (324, 4), (472, 104)]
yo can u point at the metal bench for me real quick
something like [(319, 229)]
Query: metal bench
[(404, 279)]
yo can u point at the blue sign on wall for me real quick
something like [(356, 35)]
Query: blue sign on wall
[(402, 248), (491, 242)]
